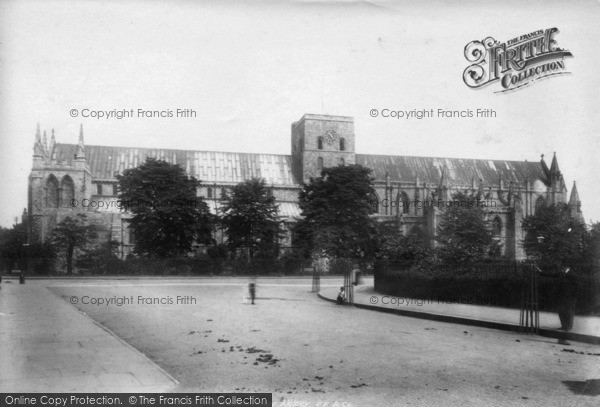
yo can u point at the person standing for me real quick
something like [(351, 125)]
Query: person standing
[(252, 289), (567, 298)]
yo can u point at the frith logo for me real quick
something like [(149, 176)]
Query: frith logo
[(515, 63)]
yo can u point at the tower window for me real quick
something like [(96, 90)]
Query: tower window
[(320, 163), (320, 143), (342, 144), (497, 226)]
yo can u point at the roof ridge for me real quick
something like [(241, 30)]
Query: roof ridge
[(172, 149)]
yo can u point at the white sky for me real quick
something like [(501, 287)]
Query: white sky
[(252, 68)]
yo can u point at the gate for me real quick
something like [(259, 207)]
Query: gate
[(529, 321)]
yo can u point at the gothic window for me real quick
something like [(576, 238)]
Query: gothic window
[(373, 201), (405, 203), (539, 203), (129, 234), (67, 188), (320, 163), (320, 143), (497, 226), (342, 144), (52, 192)]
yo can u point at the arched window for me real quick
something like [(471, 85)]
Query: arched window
[(342, 144), (52, 192), (539, 203), (320, 163), (497, 226), (320, 143), (342, 161), (67, 188), (373, 201), (405, 203)]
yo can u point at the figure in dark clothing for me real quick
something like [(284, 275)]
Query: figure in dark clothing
[(567, 298), (252, 289), (341, 298)]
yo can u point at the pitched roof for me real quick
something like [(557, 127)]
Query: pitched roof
[(459, 171), (207, 166), (231, 168)]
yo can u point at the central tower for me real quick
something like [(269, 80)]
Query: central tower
[(321, 141)]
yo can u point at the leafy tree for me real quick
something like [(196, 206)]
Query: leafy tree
[(335, 209), (167, 216), (464, 232), (70, 234), (100, 257), (553, 236), (396, 247), (11, 246), (43, 257), (592, 246), (250, 219)]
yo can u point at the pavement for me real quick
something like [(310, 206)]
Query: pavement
[(585, 328), (47, 344)]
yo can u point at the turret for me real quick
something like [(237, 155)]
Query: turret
[(575, 203), (80, 152)]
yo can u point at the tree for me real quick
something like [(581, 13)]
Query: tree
[(335, 210), (11, 246), (72, 233), (464, 232), (250, 219), (553, 236), (592, 246), (167, 216), (396, 247)]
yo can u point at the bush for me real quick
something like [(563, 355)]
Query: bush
[(491, 283)]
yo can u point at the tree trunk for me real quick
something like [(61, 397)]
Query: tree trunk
[(70, 260)]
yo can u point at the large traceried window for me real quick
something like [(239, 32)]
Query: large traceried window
[(52, 192), (67, 189)]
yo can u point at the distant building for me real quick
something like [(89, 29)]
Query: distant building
[(411, 192)]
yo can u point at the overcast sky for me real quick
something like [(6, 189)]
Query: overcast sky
[(249, 69)]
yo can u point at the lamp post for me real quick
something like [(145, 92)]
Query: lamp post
[(22, 276)]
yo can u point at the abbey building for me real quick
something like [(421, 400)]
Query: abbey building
[(67, 179)]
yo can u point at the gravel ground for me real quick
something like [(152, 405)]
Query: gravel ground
[(310, 352)]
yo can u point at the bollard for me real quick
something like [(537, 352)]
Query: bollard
[(22, 278)]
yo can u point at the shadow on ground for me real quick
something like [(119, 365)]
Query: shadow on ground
[(589, 387)]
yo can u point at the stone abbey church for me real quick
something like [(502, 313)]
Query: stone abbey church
[(406, 187)]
